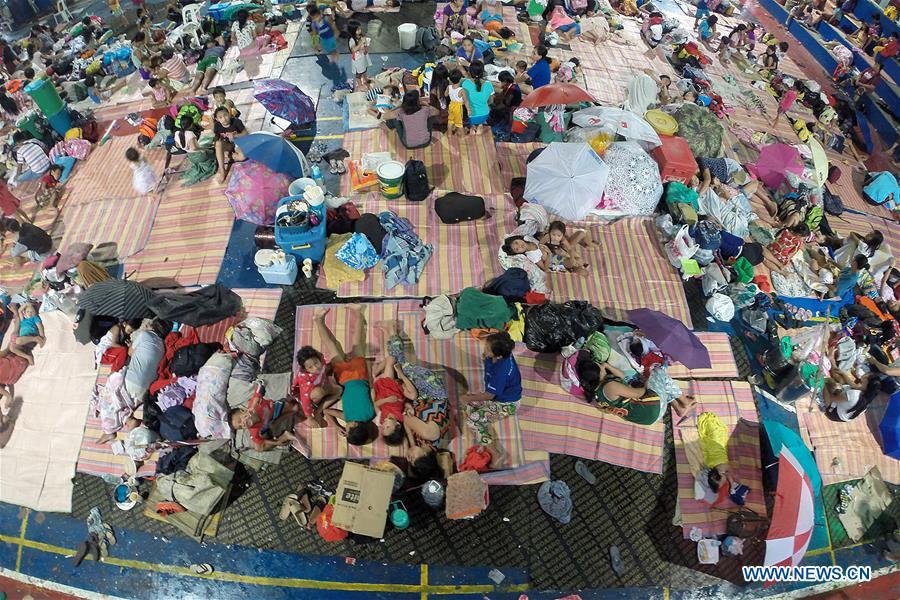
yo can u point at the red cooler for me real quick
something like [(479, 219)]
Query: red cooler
[(675, 159)]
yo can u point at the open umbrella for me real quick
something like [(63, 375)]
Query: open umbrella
[(117, 298), (618, 122), (566, 178), (634, 186), (275, 152), (890, 428), (285, 100), (556, 93), (702, 130), (672, 337), (254, 191), (793, 515), (774, 161)]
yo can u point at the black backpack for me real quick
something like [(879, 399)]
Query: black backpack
[(176, 424), (832, 203), (455, 207), (415, 181), (427, 38)]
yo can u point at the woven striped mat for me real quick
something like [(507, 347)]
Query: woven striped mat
[(734, 404)]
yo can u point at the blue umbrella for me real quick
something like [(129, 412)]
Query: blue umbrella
[(285, 100), (890, 427), (275, 152)]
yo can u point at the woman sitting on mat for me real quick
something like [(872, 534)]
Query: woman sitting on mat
[(633, 403), (412, 121)]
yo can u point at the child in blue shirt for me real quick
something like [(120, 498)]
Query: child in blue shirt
[(707, 28), (502, 388), (30, 332)]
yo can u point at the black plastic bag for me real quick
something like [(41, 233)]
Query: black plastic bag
[(550, 326)]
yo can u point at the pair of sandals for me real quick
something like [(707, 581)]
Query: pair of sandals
[(337, 167), (304, 507)]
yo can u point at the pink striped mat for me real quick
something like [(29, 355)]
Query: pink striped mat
[(460, 356), (720, 354), (733, 402), (462, 164), (14, 277), (552, 420), (456, 261), (123, 223), (512, 159), (99, 460)]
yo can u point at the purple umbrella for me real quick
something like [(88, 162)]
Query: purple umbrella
[(672, 337), (285, 100)]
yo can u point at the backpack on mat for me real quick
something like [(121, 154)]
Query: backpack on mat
[(427, 38), (440, 317), (455, 207), (415, 181), (176, 424)]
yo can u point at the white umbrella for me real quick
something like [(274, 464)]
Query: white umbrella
[(633, 184), (568, 179), (619, 122)]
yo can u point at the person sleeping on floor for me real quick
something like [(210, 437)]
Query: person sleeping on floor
[(716, 481)]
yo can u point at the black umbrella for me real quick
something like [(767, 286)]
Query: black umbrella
[(117, 298)]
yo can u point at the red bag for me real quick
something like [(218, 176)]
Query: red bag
[(326, 529)]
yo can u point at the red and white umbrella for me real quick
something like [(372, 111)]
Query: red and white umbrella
[(793, 517)]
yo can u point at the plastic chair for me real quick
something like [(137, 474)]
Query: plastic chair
[(63, 15), (191, 26)]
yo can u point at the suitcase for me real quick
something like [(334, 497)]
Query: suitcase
[(675, 159), (303, 242)]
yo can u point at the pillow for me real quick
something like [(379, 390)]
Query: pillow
[(72, 255), (358, 253)]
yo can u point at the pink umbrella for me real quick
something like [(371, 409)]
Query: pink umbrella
[(793, 516), (254, 191), (774, 161)]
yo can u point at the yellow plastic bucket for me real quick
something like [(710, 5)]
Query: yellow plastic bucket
[(390, 178)]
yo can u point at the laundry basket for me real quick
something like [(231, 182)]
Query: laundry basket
[(407, 33), (303, 241)]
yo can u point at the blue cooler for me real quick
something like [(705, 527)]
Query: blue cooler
[(304, 241), (280, 274)]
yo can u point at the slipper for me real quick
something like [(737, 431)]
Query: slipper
[(582, 469), (202, 568), (615, 557), (287, 505)]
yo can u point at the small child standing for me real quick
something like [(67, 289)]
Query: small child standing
[(143, 178), (325, 30), (787, 101), (359, 54), (30, 330), (502, 388), (457, 102)]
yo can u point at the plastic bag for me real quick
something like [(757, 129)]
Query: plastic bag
[(601, 142), (550, 326), (328, 530), (681, 247), (665, 224)]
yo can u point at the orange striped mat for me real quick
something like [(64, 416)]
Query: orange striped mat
[(188, 238), (122, 223), (720, 354), (456, 262), (512, 157), (846, 450), (459, 357), (733, 402), (99, 460), (461, 164), (16, 278), (106, 174)]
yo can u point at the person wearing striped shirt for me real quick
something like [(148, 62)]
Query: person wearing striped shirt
[(174, 65), (32, 157)]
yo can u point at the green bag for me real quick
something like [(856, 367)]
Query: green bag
[(477, 310), (743, 269), (598, 345), (678, 192)]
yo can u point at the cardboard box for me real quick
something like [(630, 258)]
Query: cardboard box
[(362, 499)]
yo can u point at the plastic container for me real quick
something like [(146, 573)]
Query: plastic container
[(675, 159), (45, 96), (407, 32), (280, 273), (61, 122), (304, 241), (298, 185), (29, 124), (390, 178)]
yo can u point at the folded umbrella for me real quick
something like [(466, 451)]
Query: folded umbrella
[(672, 337), (556, 93), (117, 298), (890, 428), (275, 152)]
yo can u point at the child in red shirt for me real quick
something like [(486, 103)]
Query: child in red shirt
[(312, 383), (389, 396), (270, 423)]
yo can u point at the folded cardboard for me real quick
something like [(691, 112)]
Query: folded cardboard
[(362, 499)]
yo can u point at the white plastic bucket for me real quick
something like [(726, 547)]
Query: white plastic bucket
[(407, 33), (298, 185), (263, 258)]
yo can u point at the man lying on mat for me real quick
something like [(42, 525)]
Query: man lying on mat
[(351, 372)]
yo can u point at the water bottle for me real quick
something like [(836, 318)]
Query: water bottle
[(317, 176)]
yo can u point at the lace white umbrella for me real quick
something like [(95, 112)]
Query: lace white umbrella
[(633, 186), (568, 179)]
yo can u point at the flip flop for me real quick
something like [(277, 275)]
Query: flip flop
[(615, 557), (582, 469), (202, 568)]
